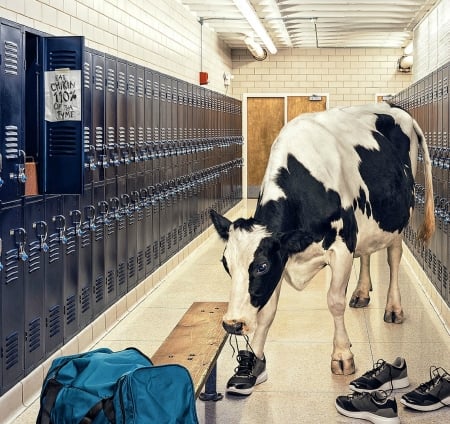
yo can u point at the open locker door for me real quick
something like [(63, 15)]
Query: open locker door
[(63, 124)]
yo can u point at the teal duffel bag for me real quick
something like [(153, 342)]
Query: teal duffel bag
[(106, 387)]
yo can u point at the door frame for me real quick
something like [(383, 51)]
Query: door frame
[(245, 98)]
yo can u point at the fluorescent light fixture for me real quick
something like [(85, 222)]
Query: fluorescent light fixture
[(408, 50), (255, 48), (249, 13)]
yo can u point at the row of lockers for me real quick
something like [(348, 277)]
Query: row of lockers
[(120, 190), (125, 115), (428, 102)]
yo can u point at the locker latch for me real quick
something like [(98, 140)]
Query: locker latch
[(90, 215), (20, 238), (91, 160), (20, 175), (115, 207), (41, 232), (104, 161), (103, 209), (126, 204), (115, 159), (60, 225), (76, 220)]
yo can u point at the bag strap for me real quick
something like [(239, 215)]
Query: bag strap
[(108, 409), (48, 398)]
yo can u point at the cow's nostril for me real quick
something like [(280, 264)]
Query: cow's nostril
[(233, 328)]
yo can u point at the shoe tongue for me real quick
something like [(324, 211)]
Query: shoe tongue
[(246, 353)]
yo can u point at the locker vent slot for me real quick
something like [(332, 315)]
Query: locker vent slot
[(99, 232), (121, 223), (148, 89), (140, 261), (141, 137), (111, 80), (122, 137), (11, 142), (111, 228), (110, 281), (99, 138), (54, 248), (121, 83), (121, 274), (99, 289), (12, 350), (34, 257), (11, 268), (87, 139), (63, 59), (99, 78), (71, 311), (148, 255), (85, 299), (11, 58), (86, 235), (111, 136), (62, 141), (140, 87), (71, 245), (54, 321), (34, 335), (131, 266), (131, 85)]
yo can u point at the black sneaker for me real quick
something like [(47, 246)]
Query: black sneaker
[(432, 395), (250, 372), (376, 407), (383, 376)]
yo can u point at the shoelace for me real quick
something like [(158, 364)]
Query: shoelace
[(436, 375), (380, 396), (245, 362), (377, 368)]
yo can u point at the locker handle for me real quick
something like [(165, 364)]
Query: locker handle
[(104, 206), (41, 232), (60, 224), (20, 176), (20, 237), (115, 206), (76, 219)]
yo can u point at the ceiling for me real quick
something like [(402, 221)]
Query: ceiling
[(316, 23)]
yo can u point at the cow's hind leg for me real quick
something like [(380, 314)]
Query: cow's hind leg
[(342, 358), (360, 297), (394, 311)]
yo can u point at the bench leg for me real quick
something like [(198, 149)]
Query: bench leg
[(210, 392)]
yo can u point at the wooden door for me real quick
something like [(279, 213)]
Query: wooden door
[(296, 105), (265, 118)]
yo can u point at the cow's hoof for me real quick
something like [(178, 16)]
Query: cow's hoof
[(393, 317), (343, 366), (359, 302)]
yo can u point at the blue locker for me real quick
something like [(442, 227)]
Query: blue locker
[(112, 148), (113, 205), (98, 113), (12, 154), (85, 301), (54, 273), (62, 147), (121, 117), (73, 233), (122, 253), (98, 249), (13, 258)]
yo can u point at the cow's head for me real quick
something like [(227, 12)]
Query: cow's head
[(255, 259)]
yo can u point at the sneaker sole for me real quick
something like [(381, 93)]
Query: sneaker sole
[(396, 384), (427, 408), (245, 392), (375, 419)]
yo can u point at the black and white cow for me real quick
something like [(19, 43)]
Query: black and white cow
[(339, 184)]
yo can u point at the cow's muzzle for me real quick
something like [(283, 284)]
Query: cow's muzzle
[(233, 327)]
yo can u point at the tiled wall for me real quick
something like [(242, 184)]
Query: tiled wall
[(432, 41), (350, 76), (162, 35)]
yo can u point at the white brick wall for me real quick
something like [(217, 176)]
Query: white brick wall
[(161, 35), (350, 76)]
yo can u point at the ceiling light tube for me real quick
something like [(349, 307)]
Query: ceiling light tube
[(249, 13), (255, 48)]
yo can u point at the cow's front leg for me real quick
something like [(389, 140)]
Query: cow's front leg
[(342, 361), (360, 297), (394, 310)]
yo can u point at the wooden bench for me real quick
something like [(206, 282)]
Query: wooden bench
[(196, 343)]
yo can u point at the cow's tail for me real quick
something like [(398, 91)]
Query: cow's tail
[(427, 227)]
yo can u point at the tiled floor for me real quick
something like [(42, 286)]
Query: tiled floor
[(300, 387)]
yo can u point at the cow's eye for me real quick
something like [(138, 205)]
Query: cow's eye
[(262, 268)]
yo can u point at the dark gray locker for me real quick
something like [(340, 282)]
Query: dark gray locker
[(98, 113), (90, 154), (157, 151), (13, 258), (71, 263), (131, 118), (155, 233), (54, 273), (112, 148), (121, 117), (122, 253), (146, 196), (164, 123), (141, 145), (85, 257), (111, 241), (132, 228), (148, 124), (98, 250), (62, 154), (141, 223), (445, 109), (12, 154)]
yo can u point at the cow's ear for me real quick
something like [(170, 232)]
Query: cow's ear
[(221, 224), (295, 241)]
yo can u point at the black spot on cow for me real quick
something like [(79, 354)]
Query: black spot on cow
[(387, 175)]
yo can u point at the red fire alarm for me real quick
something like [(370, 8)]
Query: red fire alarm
[(203, 78)]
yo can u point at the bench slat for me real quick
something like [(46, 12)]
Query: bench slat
[(196, 341)]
